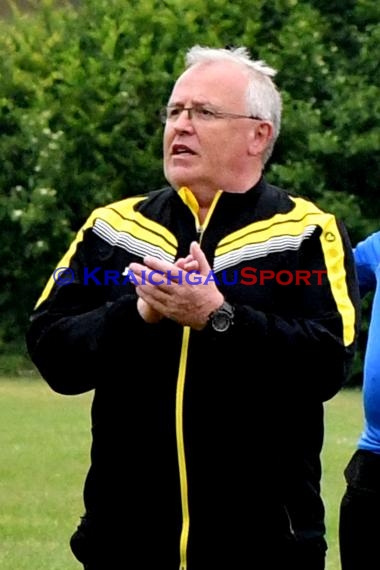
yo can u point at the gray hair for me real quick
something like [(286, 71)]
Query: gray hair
[(263, 97)]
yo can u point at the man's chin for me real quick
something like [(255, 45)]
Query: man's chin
[(178, 179)]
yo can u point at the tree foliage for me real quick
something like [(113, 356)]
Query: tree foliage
[(80, 92)]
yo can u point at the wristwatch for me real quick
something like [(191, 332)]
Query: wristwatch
[(222, 318)]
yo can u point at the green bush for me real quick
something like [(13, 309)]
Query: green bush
[(80, 92)]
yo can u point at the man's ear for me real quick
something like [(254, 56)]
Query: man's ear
[(259, 137)]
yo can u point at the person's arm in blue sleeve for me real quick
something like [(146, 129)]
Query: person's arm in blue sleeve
[(367, 258)]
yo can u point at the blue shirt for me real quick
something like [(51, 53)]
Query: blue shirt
[(367, 258)]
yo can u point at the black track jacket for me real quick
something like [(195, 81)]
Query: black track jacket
[(206, 445)]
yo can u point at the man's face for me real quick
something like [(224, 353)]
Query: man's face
[(209, 153)]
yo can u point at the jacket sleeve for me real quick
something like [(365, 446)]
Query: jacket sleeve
[(307, 347), (367, 258)]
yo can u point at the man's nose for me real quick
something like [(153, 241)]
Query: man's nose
[(184, 119)]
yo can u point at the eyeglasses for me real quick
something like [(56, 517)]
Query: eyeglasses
[(201, 113)]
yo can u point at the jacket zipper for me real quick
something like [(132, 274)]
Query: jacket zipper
[(190, 201)]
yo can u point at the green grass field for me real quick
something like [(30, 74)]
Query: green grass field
[(44, 456), (43, 460)]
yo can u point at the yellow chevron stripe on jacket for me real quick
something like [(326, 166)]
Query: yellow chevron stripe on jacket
[(287, 231), (119, 224), (291, 223)]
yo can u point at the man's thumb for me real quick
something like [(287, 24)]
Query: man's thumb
[(199, 256)]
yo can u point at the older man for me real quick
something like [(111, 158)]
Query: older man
[(207, 417)]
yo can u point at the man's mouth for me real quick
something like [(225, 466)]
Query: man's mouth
[(178, 149)]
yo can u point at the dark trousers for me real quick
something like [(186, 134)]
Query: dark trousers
[(359, 523), (98, 552), (312, 558)]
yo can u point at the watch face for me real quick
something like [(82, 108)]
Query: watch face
[(222, 318), (221, 321)]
